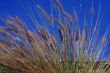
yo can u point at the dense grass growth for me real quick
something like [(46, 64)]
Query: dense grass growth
[(24, 51)]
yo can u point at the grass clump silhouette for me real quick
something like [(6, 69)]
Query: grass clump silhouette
[(41, 51)]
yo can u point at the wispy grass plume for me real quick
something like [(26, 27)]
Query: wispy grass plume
[(42, 51)]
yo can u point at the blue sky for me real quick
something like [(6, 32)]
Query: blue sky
[(15, 7), (21, 8)]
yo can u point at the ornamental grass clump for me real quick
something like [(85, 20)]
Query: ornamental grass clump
[(42, 51)]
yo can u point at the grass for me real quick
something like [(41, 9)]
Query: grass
[(24, 51)]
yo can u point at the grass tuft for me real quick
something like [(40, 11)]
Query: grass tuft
[(42, 51)]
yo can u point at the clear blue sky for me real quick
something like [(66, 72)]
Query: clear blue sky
[(21, 7)]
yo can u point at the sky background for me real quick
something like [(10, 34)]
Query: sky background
[(22, 8)]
